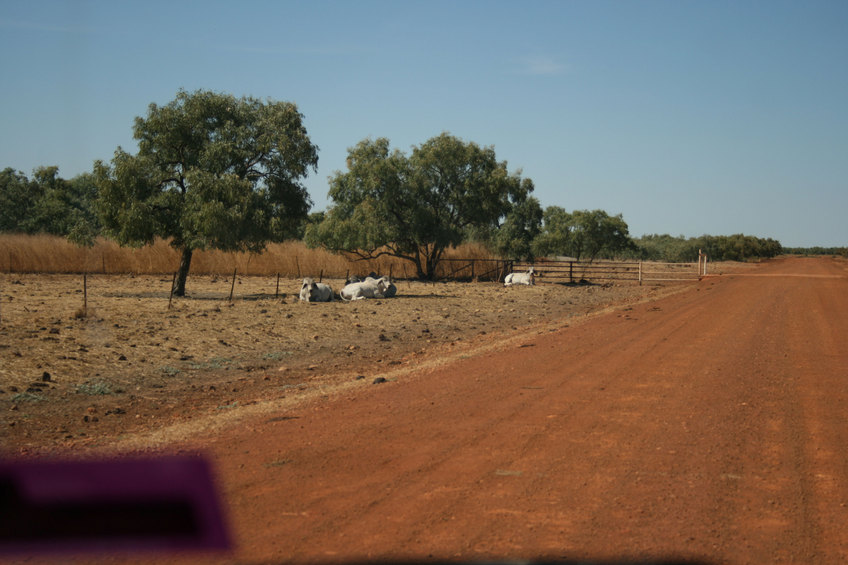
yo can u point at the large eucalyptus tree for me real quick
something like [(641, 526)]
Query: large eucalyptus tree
[(212, 171), (415, 207)]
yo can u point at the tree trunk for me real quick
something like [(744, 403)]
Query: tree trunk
[(182, 273), (416, 260), (422, 274), (431, 268), (434, 257)]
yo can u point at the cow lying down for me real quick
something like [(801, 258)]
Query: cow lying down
[(369, 288), (527, 278), (311, 291)]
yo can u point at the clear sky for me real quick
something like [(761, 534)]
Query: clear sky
[(687, 117)]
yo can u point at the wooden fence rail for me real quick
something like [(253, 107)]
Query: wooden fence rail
[(635, 271)]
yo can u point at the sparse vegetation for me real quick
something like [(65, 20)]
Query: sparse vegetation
[(26, 397), (276, 355), (213, 363), (96, 388)]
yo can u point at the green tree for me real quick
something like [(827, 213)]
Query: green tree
[(415, 207), (737, 247), (51, 203), (212, 171), (16, 200), (554, 237), (582, 234), (595, 233), (47, 203), (82, 194), (514, 238)]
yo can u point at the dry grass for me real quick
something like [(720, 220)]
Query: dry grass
[(50, 254)]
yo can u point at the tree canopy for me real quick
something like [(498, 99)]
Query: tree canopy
[(212, 171), (48, 203), (582, 234), (737, 247), (415, 207), (515, 237)]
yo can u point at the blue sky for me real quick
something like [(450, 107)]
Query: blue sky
[(688, 118)]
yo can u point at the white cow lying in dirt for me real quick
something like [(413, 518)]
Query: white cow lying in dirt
[(391, 289), (311, 291), (369, 288), (357, 278), (521, 278)]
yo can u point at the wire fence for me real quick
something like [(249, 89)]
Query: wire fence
[(49, 254)]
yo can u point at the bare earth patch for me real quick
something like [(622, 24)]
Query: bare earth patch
[(131, 371)]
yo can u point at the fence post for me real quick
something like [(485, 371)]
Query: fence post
[(233, 286), (173, 283), (277, 290), (640, 273), (571, 271)]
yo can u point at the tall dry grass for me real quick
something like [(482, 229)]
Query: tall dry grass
[(50, 254)]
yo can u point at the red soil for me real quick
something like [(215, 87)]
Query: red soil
[(710, 424)]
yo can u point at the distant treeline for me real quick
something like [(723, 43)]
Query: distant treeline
[(48, 204), (737, 247), (843, 251)]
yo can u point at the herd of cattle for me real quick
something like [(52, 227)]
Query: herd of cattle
[(373, 286)]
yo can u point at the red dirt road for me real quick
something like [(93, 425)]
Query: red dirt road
[(708, 425)]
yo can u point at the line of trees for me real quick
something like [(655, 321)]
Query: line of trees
[(220, 172), (843, 251), (736, 247)]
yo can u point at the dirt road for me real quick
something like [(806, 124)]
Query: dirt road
[(709, 425)]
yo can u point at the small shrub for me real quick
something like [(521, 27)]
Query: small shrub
[(276, 355), (27, 397), (213, 363), (95, 388)]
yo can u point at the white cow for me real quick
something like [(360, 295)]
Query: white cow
[(355, 278), (527, 278), (369, 288), (391, 289), (311, 291)]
